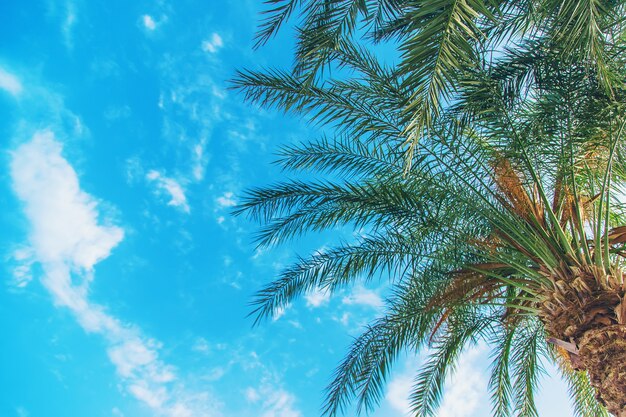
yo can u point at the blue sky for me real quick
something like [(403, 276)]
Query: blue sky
[(126, 282)]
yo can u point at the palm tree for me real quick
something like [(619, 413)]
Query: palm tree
[(502, 222)]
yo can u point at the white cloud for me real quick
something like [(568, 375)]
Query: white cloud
[(296, 324), (148, 22), (134, 170), (117, 112), (344, 319), (226, 200), (171, 187), (190, 110), (68, 237), (180, 410), (24, 257), (465, 389), (200, 159), (201, 345), (154, 398), (252, 395), (134, 354), (279, 312), (213, 44), (215, 374), (398, 393), (279, 403), (164, 186), (68, 24), (317, 298), (64, 219), (363, 296), (270, 400), (10, 83)]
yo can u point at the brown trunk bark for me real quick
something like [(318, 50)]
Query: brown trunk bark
[(603, 356), (587, 312)]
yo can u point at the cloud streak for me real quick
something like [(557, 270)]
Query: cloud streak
[(271, 400), (171, 187), (213, 44), (226, 200), (68, 237), (10, 83), (148, 22), (68, 24), (317, 298), (364, 297)]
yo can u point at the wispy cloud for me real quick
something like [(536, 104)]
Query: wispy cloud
[(398, 393), (226, 200), (252, 395), (213, 44), (466, 388), (117, 112), (68, 236), (24, 257), (272, 401), (201, 345), (317, 298), (199, 158), (279, 403), (171, 187), (344, 319), (68, 24), (10, 83), (148, 22), (189, 109), (363, 296)]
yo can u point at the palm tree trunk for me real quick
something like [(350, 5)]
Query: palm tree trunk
[(588, 312), (603, 355)]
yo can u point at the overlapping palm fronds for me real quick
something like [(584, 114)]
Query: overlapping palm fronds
[(505, 220), (439, 39)]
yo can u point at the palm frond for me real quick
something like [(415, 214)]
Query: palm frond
[(342, 156), (445, 36), (429, 383), (365, 369), (391, 254), (528, 346)]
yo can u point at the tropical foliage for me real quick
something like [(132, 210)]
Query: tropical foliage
[(487, 167)]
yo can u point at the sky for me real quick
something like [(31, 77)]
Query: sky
[(126, 281)]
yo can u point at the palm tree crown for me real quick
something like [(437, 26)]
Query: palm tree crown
[(502, 222)]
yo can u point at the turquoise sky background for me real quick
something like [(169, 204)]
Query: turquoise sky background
[(126, 281)]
